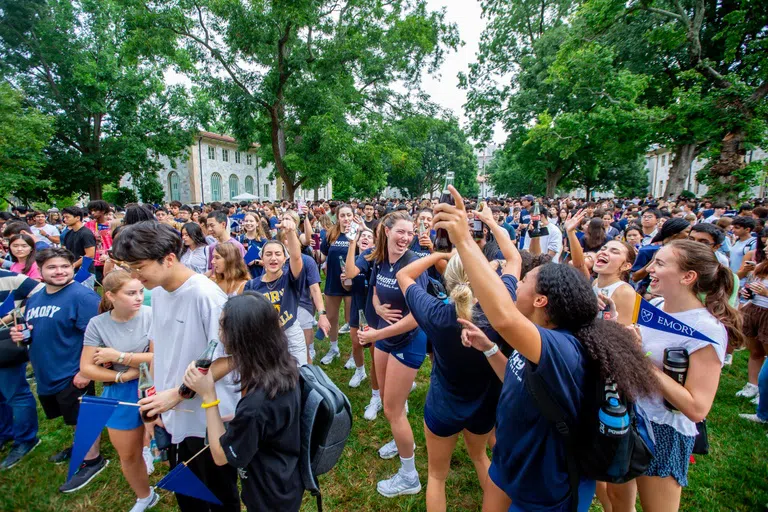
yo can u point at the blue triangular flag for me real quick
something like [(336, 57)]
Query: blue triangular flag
[(7, 305), (652, 317), (91, 420), (237, 216), (182, 480), (254, 252), (83, 274)]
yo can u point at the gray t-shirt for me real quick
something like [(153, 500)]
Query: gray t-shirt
[(130, 336)]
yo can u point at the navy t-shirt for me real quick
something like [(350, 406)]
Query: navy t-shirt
[(462, 381), (58, 323), (360, 290), (338, 249), (529, 460), (283, 293), (423, 252), (254, 270), (273, 222), (644, 257), (384, 281), (311, 276)]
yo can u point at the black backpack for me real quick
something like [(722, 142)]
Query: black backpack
[(326, 421), (590, 452)]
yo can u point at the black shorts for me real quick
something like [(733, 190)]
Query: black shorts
[(66, 402)]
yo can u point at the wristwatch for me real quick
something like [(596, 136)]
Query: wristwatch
[(491, 351), (321, 312), (121, 358)]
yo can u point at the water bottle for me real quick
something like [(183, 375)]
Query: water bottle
[(613, 422), (442, 240), (676, 366)]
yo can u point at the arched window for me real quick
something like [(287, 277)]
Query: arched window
[(173, 186), (215, 187), (249, 184), (234, 185)]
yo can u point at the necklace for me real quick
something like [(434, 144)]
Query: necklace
[(271, 285)]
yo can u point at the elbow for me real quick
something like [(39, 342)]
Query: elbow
[(698, 412), (218, 455)]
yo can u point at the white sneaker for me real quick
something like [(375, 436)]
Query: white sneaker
[(748, 391), (390, 451), (728, 360), (399, 485), (330, 356), (344, 329), (312, 352), (413, 386), (357, 378), (350, 364), (373, 408), (146, 503), (149, 459), (752, 417), (756, 400)]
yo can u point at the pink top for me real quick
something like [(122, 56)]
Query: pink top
[(34, 272)]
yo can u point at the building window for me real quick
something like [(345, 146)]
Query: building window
[(663, 160), (215, 187), (249, 184), (211, 153), (237, 157), (249, 159), (266, 190), (225, 155), (173, 186), (234, 185)]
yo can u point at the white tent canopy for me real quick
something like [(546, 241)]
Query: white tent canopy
[(245, 197)]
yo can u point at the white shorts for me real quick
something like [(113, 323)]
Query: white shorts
[(297, 345), (305, 319)]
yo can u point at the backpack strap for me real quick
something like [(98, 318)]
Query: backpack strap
[(310, 405), (550, 409)]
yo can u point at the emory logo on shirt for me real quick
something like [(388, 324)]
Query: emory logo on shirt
[(516, 365), (275, 298), (42, 312)]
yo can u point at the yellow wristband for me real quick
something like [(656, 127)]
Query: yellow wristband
[(211, 404)]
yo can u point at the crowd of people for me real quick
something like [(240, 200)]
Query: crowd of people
[(496, 292)]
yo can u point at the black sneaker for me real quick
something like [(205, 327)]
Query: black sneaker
[(17, 453), (84, 475), (61, 457)]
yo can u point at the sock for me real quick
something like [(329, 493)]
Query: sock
[(360, 369), (375, 393), (335, 345), (408, 466), (148, 499), (311, 346), (93, 461)]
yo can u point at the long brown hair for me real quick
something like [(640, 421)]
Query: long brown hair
[(714, 281), (381, 250), (30, 257), (235, 270), (259, 226), (113, 283), (335, 230)]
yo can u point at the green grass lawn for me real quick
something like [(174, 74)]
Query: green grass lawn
[(732, 477)]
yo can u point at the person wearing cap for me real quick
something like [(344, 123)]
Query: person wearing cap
[(525, 217), (673, 229)]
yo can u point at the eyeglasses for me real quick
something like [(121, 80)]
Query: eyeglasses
[(128, 268), (705, 242)]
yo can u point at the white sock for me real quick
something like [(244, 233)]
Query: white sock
[(145, 501), (408, 466), (360, 369), (311, 346), (335, 345), (375, 394)]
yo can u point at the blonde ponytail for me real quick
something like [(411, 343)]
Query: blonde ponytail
[(457, 285)]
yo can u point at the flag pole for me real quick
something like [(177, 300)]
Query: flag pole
[(186, 463), (137, 405)]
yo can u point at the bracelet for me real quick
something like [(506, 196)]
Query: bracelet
[(210, 404), (121, 358), (320, 312), (130, 358), (118, 376), (491, 351)]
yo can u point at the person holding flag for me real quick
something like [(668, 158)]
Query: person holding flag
[(680, 272)]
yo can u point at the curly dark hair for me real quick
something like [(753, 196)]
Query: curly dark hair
[(572, 305), (530, 262), (266, 363)]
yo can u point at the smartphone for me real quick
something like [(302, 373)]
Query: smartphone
[(353, 230)]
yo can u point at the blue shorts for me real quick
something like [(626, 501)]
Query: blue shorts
[(411, 354), (125, 417), (480, 422), (672, 454)]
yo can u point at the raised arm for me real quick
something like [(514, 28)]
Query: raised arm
[(487, 286), (294, 246), (577, 252), (507, 247), (407, 275), (350, 269)]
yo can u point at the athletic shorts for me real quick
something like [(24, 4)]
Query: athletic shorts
[(412, 354), (756, 328), (297, 344), (124, 418), (66, 402), (305, 318), (479, 423)]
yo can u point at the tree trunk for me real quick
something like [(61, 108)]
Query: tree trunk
[(95, 190), (685, 154), (552, 178), (732, 158)]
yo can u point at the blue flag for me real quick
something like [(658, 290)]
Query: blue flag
[(7, 305), (254, 252), (652, 317), (83, 274), (237, 216), (182, 480), (91, 420)]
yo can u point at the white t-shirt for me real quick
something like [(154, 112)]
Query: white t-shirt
[(552, 242), (50, 230), (655, 341), (183, 322), (722, 258)]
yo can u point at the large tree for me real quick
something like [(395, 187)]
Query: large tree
[(24, 134), (298, 76), (75, 61)]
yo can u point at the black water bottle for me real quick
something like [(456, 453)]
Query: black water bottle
[(676, 366)]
